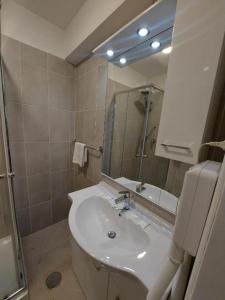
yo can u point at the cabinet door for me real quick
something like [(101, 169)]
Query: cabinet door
[(92, 277), (191, 90), (79, 263), (96, 281), (125, 287)]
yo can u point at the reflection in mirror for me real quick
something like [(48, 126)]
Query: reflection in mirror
[(135, 99)]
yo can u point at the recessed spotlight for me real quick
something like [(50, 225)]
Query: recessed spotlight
[(167, 50), (110, 52), (155, 45), (143, 32), (123, 60)]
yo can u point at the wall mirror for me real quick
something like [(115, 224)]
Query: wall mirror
[(136, 84)]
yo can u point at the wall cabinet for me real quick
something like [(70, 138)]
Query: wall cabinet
[(192, 87), (102, 283)]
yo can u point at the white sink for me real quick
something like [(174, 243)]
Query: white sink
[(141, 243), (95, 218)]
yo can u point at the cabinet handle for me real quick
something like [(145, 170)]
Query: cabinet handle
[(98, 268), (176, 146)]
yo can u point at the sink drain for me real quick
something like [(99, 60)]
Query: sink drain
[(53, 280), (111, 234)]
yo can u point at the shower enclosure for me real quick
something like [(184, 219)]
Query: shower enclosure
[(135, 116), (12, 277)]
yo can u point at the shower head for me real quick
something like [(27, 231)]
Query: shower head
[(144, 92)]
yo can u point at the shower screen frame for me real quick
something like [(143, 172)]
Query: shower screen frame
[(8, 176)]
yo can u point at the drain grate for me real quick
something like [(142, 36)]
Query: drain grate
[(53, 280)]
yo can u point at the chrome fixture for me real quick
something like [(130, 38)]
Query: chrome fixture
[(111, 234), (4, 175), (176, 146), (141, 155), (124, 198), (125, 195), (99, 149), (143, 146), (140, 187)]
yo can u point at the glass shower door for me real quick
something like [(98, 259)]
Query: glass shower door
[(134, 129), (12, 279)]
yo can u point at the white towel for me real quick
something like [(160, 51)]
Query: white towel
[(80, 154)]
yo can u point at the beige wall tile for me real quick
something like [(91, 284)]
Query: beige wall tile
[(37, 155), (11, 55), (34, 85), (36, 124), (45, 85), (61, 92), (39, 189), (41, 215), (60, 155), (17, 151), (23, 220), (34, 57), (15, 121), (20, 193), (11, 49), (60, 183), (60, 208), (59, 66), (60, 125)]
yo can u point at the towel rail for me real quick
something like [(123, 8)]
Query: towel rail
[(99, 149)]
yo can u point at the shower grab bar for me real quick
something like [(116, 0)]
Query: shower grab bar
[(176, 146), (99, 149)]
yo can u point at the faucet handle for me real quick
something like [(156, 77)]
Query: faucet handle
[(125, 193)]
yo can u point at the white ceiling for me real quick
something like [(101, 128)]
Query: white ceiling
[(58, 12), (153, 65)]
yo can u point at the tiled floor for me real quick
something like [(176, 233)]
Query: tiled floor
[(47, 251)]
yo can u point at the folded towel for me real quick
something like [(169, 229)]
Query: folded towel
[(80, 154)]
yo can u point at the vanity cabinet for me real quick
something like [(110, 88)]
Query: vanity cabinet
[(79, 263), (125, 287), (93, 277), (102, 283), (96, 281), (192, 86)]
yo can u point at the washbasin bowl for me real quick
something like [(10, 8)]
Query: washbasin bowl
[(133, 242), (95, 218)]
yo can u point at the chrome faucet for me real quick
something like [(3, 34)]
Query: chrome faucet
[(140, 187), (124, 198), (125, 195)]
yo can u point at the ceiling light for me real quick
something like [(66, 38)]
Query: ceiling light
[(123, 60), (167, 50), (110, 52), (143, 32), (155, 45)]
